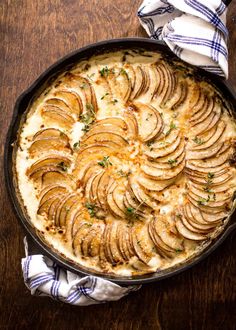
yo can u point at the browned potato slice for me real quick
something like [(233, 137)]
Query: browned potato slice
[(185, 232), (91, 152), (94, 187), (88, 184), (167, 234), (161, 247), (178, 155), (131, 122), (222, 157), (54, 114), (170, 163), (216, 181), (59, 103), (50, 133), (72, 100), (105, 137), (191, 223), (76, 219), (203, 171), (203, 112), (48, 195), (168, 84), (123, 243), (119, 82), (213, 217), (111, 124), (153, 185), (113, 207), (40, 146), (192, 228), (162, 174), (143, 246), (140, 194), (195, 216), (94, 246), (200, 143), (106, 243), (44, 207), (150, 122), (104, 259), (206, 194), (210, 121), (221, 210), (113, 121), (181, 95), (68, 206), (51, 191), (139, 82), (118, 198), (210, 202), (80, 235), (113, 245), (102, 186), (134, 209), (206, 153), (56, 177), (53, 208), (88, 91), (166, 151), (62, 163), (198, 99)]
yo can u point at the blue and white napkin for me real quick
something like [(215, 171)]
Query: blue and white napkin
[(43, 277), (193, 29)]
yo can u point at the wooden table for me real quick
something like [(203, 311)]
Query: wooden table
[(34, 34)]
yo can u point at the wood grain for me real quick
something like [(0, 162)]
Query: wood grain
[(34, 34)]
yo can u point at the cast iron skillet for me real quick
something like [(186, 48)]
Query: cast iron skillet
[(24, 101)]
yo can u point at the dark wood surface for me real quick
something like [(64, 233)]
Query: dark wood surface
[(34, 34)]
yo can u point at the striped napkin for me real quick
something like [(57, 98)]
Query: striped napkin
[(193, 29), (43, 277)]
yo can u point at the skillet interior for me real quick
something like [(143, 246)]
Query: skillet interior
[(27, 98)]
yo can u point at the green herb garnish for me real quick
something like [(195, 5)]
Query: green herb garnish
[(203, 201), (172, 126), (132, 212), (114, 101), (62, 166), (123, 174), (210, 175), (104, 72), (91, 208), (105, 162), (207, 189), (90, 76), (172, 162), (123, 71), (104, 96), (198, 140), (76, 145), (88, 118), (178, 251), (149, 116), (84, 85)]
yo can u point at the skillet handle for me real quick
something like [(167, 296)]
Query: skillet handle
[(227, 2)]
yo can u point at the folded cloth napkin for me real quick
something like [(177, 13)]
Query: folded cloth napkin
[(43, 277), (193, 29)]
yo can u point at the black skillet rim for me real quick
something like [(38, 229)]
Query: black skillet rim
[(21, 105)]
